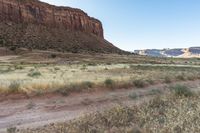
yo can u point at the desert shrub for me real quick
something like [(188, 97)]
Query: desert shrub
[(14, 87), (108, 63), (191, 77), (92, 64), (1, 41), (155, 92), (150, 81), (87, 85), (84, 67), (139, 83), (53, 55), (181, 90), (167, 80), (132, 66), (9, 69), (18, 67), (12, 130), (30, 105), (56, 68), (180, 77), (76, 87), (133, 95), (109, 82), (13, 48), (156, 102), (34, 74)]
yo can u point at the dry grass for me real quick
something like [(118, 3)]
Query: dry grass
[(164, 114), (80, 77)]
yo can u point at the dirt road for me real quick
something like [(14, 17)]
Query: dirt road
[(39, 111)]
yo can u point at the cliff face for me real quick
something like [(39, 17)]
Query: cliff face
[(36, 12), (32, 24)]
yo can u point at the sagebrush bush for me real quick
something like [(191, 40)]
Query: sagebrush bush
[(181, 90), (14, 87)]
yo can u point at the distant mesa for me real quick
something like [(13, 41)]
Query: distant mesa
[(37, 25), (179, 52)]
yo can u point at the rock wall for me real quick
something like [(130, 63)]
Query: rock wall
[(34, 11)]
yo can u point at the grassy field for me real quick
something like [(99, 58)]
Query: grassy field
[(44, 78), (38, 72)]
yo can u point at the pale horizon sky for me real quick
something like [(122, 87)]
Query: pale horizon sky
[(144, 24)]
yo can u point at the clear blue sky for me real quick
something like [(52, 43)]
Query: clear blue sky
[(142, 24)]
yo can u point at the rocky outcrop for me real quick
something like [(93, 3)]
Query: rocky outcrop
[(36, 12)]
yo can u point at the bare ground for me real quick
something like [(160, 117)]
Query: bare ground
[(40, 111)]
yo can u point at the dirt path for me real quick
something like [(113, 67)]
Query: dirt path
[(36, 112)]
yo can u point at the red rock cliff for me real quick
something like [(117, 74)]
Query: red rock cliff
[(34, 11)]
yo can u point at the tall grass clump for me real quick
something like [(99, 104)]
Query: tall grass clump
[(181, 90)]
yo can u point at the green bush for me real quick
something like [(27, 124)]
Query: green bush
[(109, 82), (181, 90)]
